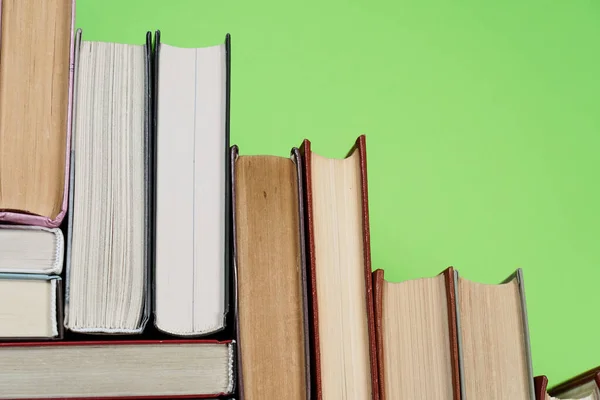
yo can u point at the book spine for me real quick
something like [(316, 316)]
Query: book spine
[(450, 278), (378, 276), (240, 384), (297, 158), (361, 145), (317, 390), (527, 344), (305, 150), (540, 383), (228, 188), (68, 242)]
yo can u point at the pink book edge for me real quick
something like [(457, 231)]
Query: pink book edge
[(31, 219)]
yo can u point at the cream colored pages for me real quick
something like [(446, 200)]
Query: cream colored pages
[(493, 343), (34, 87), (340, 275), (190, 187), (416, 340), (27, 308)]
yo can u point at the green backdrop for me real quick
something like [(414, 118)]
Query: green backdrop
[(482, 124)]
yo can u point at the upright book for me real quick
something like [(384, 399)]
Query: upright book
[(493, 339), (108, 275), (36, 77), (417, 342), (192, 203), (339, 259), (449, 338), (272, 317)]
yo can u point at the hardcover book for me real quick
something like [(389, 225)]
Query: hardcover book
[(449, 338), (116, 369), (30, 307), (35, 110), (417, 342), (339, 265), (192, 200), (108, 261), (31, 249), (269, 256), (493, 339)]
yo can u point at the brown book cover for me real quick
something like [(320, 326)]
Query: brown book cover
[(449, 277), (271, 279), (305, 149), (37, 96)]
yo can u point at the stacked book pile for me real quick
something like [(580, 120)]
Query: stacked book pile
[(144, 256)]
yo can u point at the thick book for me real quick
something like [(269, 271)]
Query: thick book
[(36, 76), (417, 342), (270, 264), (585, 386), (31, 249), (116, 369), (192, 201), (339, 264), (30, 307), (108, 254)]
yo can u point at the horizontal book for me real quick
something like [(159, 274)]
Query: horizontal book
[(108, 277), (35, 113), (31, 249), (30, 307), (271, 276), (192, 199), (585, 386), (116, 369)]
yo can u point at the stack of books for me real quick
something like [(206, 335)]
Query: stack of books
[(144, 256)]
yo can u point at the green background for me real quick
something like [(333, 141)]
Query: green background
[(482, 122)]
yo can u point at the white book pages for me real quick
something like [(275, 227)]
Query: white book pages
[(190, 199), (31, 249), (106, 274), (135, 369)]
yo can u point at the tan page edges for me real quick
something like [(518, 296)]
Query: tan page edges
[(34, 85)]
